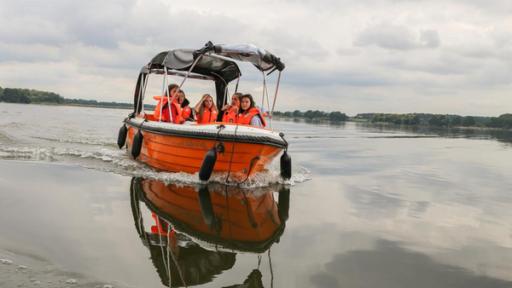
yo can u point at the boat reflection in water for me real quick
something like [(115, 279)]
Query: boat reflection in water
[(195, 232)]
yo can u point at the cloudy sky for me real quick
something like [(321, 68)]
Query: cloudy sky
[(355, 56)]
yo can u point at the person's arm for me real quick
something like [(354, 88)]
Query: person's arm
[(198, 105), (226, 107), (256, 121)]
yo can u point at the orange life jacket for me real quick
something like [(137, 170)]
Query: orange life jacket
[(166, 117), (209, 116), (246, 117), (186, 112), (230, 115)]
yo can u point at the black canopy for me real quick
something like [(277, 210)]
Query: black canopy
[(214, 62), (262, 59), (217, 67), (182, 60)]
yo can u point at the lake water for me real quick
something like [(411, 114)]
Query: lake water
[(368, 206)]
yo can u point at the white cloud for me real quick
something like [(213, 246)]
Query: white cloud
[(357, 56), (397, 37)]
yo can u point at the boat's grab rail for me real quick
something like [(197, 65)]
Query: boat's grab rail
[(209, 135)]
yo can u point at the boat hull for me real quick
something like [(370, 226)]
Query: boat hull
[(181, 153)]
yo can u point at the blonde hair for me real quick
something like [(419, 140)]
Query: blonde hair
[(201, 109)]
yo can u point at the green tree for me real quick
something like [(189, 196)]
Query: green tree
[(438, 120), (11, 95), (337, 116), (297, 114), (456, 120), (309, 114), (506, 120), (468, 121)]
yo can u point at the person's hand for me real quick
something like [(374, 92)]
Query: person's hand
[(226, 107)]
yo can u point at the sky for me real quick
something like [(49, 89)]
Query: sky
[(354, 56)]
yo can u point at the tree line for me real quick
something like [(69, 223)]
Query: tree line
[(438, 120), (27, 96), (334, 116), (16, 95)]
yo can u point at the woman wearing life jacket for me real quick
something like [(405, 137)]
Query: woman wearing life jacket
[(163, 106), (231, 111), (186, 112), (249, 114), (206, 111)]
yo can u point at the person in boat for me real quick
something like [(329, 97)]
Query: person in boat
[(249, 114), (186, 112), (231, 111), (163, 106), (206, 111)]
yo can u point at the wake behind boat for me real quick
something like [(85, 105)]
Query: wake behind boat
[(238, 150)]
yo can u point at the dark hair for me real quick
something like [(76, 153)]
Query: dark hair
[(170, 87), (250, 98)]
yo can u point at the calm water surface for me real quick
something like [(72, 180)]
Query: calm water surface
[(368, 206)]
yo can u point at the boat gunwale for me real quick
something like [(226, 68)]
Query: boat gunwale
[(263, 140)]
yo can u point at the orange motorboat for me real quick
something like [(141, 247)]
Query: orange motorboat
[(196, 232), (233, 149)]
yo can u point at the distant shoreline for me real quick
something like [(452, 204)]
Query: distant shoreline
[(319, 120), (503, 122)]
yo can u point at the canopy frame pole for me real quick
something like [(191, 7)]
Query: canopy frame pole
[(179, 87), (181, 84), (268, 101), (168, 94), (237, 81), (141, 84), (264, 87), (161, 100), (275, 97), (188, 72), (145, 81), (265, 95), (265, 92), (225, 91)]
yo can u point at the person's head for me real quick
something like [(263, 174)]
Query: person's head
[(172, 88), (207, 104), (235, 99), (181, 96), (246, 102), (208, 101)]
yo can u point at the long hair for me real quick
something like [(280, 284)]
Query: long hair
[(238, 96), (170, 87), (253, 104), (185, 100), (201, 109)]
